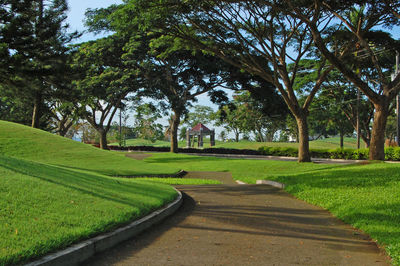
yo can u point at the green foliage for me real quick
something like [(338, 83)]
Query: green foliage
[(146, 126), (38, 58), (391, 153), (199, 114)]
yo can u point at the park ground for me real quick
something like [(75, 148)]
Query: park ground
[(51, 184)]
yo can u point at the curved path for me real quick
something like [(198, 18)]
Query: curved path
[(245, 225)]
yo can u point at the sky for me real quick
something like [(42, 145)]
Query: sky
[(76, 14)]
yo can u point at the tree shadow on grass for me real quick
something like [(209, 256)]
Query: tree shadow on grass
[(115, 190), (352, 176)]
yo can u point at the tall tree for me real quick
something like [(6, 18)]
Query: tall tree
[(175, 74), (257, 37), (367, 38), (39, 51), (146, 125), (199, 114), (104, 82)]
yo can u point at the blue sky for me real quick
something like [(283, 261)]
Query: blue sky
[(76, 14)]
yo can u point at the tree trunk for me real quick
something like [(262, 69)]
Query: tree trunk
[(103, 138), (341, 139), (304, 148), (176, 119), (237, 136), (36, 110), (377, 146), (367, 141)]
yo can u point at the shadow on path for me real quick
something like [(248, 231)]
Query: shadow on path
[(246, 225)]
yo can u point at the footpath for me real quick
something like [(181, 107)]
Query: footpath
[(234, 224)]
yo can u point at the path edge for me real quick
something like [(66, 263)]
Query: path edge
[(271, 183), (78, 253)]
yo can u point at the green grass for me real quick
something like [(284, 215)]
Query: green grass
[(55, 191), (45, 207), (39, 146), (244, 170), (145, 142), (329, 143), (181, 181), (365, 196)]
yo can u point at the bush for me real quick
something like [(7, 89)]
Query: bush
[(348, 154), (391, 153)]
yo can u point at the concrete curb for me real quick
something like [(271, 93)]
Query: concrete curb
[(80, 252), (271, 183)]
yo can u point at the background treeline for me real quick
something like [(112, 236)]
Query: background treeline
[(301, 70)]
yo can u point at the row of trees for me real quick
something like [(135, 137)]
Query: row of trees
[(300, 53)]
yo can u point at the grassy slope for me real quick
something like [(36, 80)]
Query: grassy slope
[(329, 143), (39, 146), (50, 198), (366, 196)]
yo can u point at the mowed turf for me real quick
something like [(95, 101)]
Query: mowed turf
[(53, 192), (365, 195), (40, 146)]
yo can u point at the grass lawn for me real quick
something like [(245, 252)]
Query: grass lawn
[(244, 170), (55, 191), (366, 196), (40, 146), (45, 207), (329, 143)]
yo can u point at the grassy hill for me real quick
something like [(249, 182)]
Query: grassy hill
[(53, 192), (36, 145)]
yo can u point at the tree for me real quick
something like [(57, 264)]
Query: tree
[(222, 135), (255, 37), (328, 118), (15, 37), (146, 125), (230, 120), (342, 96), (175, 74), (264, 116), (40, 51), (368, 38), (104, 83), (199, 114)]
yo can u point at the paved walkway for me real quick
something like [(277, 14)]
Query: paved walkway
[(245, 225)]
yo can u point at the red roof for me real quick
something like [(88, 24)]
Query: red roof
[(199, 127)]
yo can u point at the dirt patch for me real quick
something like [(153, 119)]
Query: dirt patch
[(138, 155)]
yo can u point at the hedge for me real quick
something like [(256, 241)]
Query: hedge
[(391, 153)]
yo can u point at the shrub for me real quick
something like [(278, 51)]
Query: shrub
[(391, 153)]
